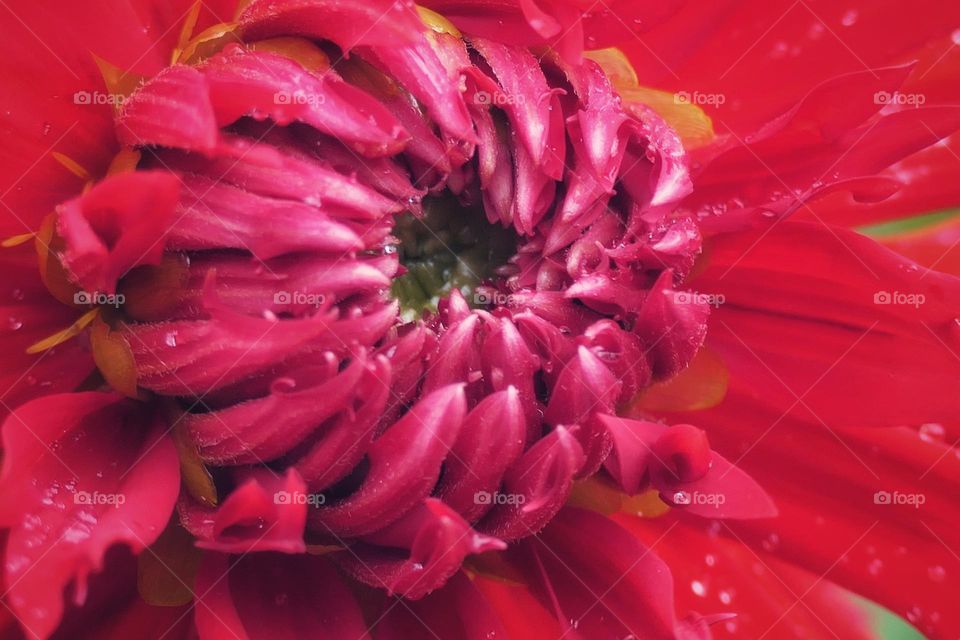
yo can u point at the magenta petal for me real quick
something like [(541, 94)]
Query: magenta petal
[(528, 96), (536, 487), (404, 466), (340, 445), (418, 68), (172, 110), (266, 596), (81, 472), (116, 226), (267, 170), (265, 84), (507, 362), (266, 512), (193, 357), (458, 355), (585, 388), (673, 324), (491, 439), (215, 215), (418, 553), (263, 429)]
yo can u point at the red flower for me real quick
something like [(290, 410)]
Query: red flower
[(382, 321)]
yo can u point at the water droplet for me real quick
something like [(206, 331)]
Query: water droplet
[(710, 559), (850, 18), (46, 128), (875, 567), (937, 573), (17, 294), (932, 432), (698, 588), (955, 36), (726, 596), (771, 542), (280, 599), (13, 323), (170, 339)]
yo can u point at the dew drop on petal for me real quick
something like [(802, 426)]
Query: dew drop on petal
[(932, 432), (937, 573), (698, 588)]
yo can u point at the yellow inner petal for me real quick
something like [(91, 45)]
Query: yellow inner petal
[(60, 337), (691, 123)]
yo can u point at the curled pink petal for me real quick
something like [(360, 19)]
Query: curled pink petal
[(418, 553), (491, 438), (115, 227), (404, 465), (536, 487), (173, 110), (266, 512), (265, 84)]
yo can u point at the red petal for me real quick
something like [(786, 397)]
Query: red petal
[(821, 319), (265, 596), (599, 575), (80, 473), (32, 315)]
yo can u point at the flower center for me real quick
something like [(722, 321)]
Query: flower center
[(450, 246)]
